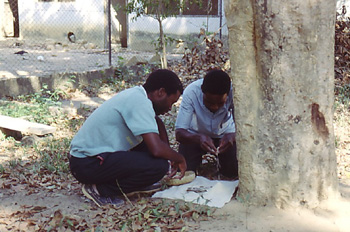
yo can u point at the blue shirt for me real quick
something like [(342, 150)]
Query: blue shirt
[(117, 125), (196, 118)]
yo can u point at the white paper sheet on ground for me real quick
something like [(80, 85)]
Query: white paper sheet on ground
[(214, 193)]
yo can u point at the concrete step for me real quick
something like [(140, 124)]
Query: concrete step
[(24, 126)]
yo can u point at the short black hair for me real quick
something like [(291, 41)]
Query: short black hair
[(163, 78), (216, 82)]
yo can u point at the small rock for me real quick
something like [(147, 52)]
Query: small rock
[(135, 60), (227, 65), (29, 140), (155, 59), (58, 46), (83, 42), (40, 58), (91, 46), (180, 47), (50, 47)]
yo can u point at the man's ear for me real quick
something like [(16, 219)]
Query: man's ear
[(161, 92)]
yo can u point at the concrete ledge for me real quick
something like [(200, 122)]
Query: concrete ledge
[(11, 87), (18, 124)]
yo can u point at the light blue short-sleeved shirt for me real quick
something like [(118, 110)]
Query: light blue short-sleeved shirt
[(117, 125), (195, 117)]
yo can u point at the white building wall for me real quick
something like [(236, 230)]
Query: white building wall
[(85, 18), (187, 25), (146, 29), (180, 25)]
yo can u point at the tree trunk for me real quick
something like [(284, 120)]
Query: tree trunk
[(122, 18), (14, 9), (282, 68), (162, 46)]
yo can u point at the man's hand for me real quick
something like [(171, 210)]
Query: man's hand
[(182, 166), (207, 144), (226, 142), (204, 141)]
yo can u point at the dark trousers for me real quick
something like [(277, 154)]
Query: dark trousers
[(132, 170), (228, 160)]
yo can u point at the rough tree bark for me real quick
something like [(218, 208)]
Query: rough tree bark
[(282, 62), (162, 45)]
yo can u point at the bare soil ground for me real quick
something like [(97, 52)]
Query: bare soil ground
[(53, 202), (32, 199), (44, 58), (23, 212)]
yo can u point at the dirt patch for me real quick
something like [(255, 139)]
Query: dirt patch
[(35, 200), (37, 204), (21, 211)]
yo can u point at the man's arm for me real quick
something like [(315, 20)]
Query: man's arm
[(162, 150), (162, 130), (206, 143)]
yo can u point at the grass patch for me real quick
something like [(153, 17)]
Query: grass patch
[(53, 156), (39, 113), (342, 96)]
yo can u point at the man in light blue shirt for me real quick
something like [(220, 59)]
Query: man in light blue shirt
[(205, 123), (122, 147)]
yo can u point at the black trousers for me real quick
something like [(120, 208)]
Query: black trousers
[(132, 170), (228, 160)]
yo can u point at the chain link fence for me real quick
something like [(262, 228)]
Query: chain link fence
[(41, 37)]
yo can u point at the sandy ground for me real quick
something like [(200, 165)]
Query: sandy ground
[(332, 216), (45, 62), (234, 216), (47, 58)]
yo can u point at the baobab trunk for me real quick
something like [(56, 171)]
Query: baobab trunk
[(282, 62)]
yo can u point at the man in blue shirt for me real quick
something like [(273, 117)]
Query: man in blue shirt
[(122, 147), (205, 123)]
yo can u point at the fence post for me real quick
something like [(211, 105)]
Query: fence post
[(105, 24), (220, 15), (107, 30), (109, 33)]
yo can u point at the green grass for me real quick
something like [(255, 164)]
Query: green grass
[(52, 156), (34, 107), (46, 154), (36, 112), (342, 95)]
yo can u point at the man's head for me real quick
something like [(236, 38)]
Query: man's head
[(163, 88), (216, 87)]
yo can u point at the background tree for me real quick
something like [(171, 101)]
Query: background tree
[(282, 60), (119, 7), (159, 10), (14, 9)]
